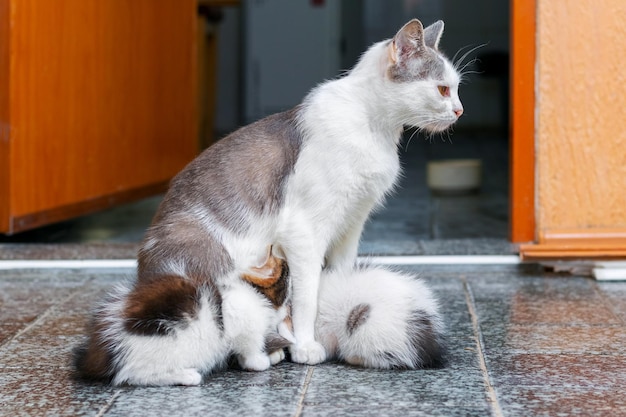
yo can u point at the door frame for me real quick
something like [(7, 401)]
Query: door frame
[(522, 115)]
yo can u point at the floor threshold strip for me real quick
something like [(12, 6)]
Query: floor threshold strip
[(13, 264)]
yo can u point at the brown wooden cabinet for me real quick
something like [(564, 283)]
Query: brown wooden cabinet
[(98, 104)]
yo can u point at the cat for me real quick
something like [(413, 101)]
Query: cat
[(302, 182)]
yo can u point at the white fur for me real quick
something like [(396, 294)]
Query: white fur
[(393, 298), (181, 358)]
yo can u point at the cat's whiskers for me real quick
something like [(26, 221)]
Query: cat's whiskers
[(460, 66), (453, 60), (463, 73), (457, 63), (415, 132)]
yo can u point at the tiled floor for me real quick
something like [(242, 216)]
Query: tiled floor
[(522, 342)]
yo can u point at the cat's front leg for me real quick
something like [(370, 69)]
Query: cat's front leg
[(304, 311), (305, 267)]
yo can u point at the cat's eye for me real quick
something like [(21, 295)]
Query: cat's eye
[(444, 90)]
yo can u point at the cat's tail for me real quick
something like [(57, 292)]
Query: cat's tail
[(165, 332), (378, 318)]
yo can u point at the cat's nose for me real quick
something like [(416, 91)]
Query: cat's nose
[(458, 112)]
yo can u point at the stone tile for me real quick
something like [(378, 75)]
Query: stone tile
[(281, 375), (564, 371), (9, 330), (524, 401), (213, 398), (93, 250), (225, 393), (47, 392), (541, 301), (615, 296), (597, 340), (347, 387), (479, 245), (404, 409)]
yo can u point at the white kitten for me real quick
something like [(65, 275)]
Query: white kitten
[(378, 318)]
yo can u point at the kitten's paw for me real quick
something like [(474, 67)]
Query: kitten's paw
[(277, 356), (310, 353), (190, 377), (258, 362)]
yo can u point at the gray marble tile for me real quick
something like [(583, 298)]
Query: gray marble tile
[(211, 399), (596, 340), (405, 409), (86, 250), (346, 387), (49, 391), (615, 295), (524, 401), (550, 371)]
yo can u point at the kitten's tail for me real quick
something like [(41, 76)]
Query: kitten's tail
[(378, 318), (94, 358), (167, 331)]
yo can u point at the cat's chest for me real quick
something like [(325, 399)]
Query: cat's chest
[(348, 171)]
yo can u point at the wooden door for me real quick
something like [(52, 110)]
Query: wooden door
[(97, 104), (569, 140), (522, 108)]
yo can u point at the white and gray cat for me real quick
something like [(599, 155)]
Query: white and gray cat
[(301, 183)]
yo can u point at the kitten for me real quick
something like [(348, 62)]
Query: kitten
[(304, 182), (369, 316), (170, 332), (378, 318)]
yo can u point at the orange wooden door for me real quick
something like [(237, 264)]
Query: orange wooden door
[(569, 137), (98, 104)]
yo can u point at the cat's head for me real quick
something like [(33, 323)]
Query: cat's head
[(423, 82)]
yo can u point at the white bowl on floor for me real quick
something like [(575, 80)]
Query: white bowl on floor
[(454, 176)]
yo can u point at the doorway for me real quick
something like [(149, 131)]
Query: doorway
[(415, 220)]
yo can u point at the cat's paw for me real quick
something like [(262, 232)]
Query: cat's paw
[(277, 356), (310, 353), (258, 362)]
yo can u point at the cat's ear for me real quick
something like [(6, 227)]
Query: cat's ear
[(432, 34), (408, 42)]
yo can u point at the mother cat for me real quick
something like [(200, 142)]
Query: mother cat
[(302, 182)]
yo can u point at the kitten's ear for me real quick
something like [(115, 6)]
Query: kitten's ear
[(408, 42), (432, 34)]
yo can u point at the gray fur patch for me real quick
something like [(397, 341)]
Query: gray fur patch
[(357, 317), (275, 342), (428, 65), (245, 172), (181, 241), (425, 341)]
